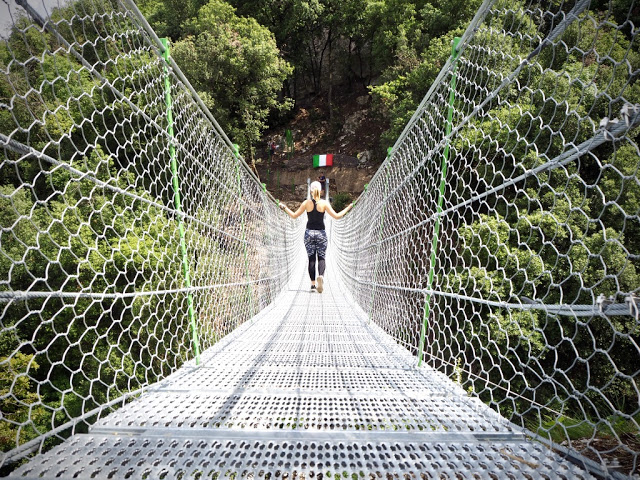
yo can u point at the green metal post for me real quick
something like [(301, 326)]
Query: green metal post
[(176, 200), (236, 152), (443, 175)]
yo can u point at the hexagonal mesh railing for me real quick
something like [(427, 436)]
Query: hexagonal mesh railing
[(132, 236), (496, 246), (500, 240)]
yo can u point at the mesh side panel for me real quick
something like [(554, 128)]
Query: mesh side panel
[(131, 235), (499, 240)]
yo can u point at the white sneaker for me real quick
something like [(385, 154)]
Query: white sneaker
[(320, 281)]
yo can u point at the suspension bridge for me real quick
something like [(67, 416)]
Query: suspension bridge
[(480, 317)]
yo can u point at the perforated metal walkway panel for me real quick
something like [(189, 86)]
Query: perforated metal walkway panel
[(307, 389)]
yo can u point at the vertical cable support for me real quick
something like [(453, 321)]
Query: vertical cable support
[(177, 202), (443, 176)]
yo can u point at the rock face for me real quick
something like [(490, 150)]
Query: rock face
[(353, 139), (288, 180), (301, 190), (364, 158), (353, 122), (363, 100)]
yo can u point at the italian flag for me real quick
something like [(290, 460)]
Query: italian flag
[(323, 160)]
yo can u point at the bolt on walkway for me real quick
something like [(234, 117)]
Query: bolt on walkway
[(307, 389)]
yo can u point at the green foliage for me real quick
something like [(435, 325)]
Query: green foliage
[(562, 428), (23, 418), (60, 232), (109, 346), (235, 66), (340, 200), (565, 427), (566, 235), (397, 98), (93, 227), (170, 18)]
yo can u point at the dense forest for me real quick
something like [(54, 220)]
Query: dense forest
[(252, 62), (287, 51)]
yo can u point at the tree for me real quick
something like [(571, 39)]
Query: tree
[(397, 98), (235, 66)]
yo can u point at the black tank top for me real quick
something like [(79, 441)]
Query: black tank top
[(315, 219)]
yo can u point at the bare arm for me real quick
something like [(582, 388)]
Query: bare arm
[(297, 213), (342, 213)]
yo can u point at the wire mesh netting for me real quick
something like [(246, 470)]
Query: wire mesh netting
[(132, 236), (500, 241)]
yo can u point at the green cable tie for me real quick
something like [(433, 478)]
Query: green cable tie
[(443, 174), (454, 47), (176, 199)]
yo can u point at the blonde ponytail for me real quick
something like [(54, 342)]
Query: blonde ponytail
[(315, 188)]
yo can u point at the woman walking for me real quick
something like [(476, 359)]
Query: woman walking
[(315, 237)]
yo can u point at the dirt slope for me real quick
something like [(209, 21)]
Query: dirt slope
[(353, 139)]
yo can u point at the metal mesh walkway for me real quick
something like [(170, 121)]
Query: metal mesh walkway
[(307, 389)]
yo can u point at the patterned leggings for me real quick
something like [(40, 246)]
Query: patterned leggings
[(315, 241)]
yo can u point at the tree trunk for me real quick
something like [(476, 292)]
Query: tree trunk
[(330, 82), (312, 64)]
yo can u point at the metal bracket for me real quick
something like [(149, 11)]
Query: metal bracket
[(604, 302), (634, 306)]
